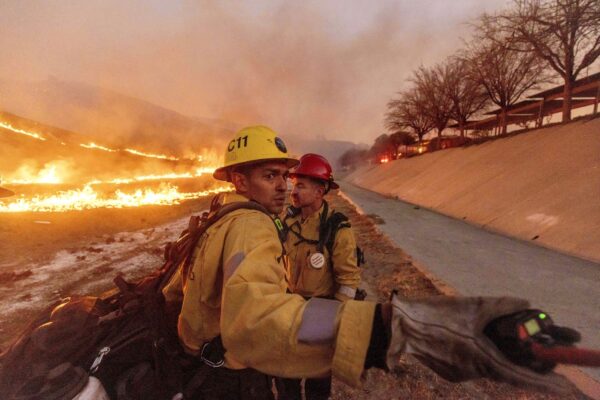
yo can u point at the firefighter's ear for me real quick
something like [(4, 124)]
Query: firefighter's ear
[(320, 188), (240, 181)]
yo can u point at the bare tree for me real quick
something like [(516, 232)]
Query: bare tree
[(467, 95), (564, 33), (431, 83), (406, 113), (504, 73)]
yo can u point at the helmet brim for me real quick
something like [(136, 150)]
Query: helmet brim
[(221, 174)]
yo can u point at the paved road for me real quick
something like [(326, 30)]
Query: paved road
[(478, 262)]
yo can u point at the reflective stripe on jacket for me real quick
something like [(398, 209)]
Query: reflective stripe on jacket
[(339, 280), (236, 287)]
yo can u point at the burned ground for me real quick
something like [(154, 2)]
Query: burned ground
[(48, 256)]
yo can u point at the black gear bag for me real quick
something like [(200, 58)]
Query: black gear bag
[(127, 337)]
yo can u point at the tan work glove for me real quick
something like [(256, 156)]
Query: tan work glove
[(446, 334)]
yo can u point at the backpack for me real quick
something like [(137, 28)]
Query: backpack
[(328, 229), (126, 337)]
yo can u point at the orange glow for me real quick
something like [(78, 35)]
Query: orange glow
[(384, 160), (55, 173), (205, 170), (161, 156), (88, 198), (93, 145), (22, 132), (47, 175), (187, 175), (150, 188)]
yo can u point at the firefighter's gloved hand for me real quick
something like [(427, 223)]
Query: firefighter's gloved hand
[(446, 334)]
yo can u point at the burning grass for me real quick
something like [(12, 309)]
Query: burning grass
[(55, 170), (89, 198)]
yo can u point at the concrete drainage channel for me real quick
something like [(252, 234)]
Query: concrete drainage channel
[(496, 266)]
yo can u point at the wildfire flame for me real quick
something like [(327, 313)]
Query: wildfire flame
[(22, 132), (93, 145), (187, 175), (48, 175), (161, 156), (92, 195), (88, 198)]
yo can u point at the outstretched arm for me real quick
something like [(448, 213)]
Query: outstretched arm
[(282, 334)]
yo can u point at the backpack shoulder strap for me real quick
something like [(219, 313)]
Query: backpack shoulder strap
[(248, 205), (334, 223), (329, 227), (183, 249)]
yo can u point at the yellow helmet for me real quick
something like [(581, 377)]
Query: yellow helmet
[(252, 144)]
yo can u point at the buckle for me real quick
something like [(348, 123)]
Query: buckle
[(213, 359), (98, 360)]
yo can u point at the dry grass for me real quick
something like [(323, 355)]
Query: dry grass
[(388, 267)]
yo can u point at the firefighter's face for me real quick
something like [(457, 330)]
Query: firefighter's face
[(265, 183), (306, 192)]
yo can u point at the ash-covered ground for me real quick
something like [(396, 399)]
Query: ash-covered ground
[(48, 256), (44, 257)]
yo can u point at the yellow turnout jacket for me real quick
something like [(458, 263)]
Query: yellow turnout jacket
[(338, 276), (236, 288)]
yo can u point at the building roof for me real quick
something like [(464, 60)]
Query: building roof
[(591, 79), (515, 106)]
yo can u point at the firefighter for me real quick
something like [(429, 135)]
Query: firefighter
[(237, 317), (322, 254)]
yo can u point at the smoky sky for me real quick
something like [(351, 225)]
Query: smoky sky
[(312, 68)]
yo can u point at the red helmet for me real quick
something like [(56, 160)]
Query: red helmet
[(315, 166)]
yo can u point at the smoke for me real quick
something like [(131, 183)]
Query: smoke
[(50, 172), (304, 68)]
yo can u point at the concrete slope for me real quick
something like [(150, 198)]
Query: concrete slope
[(476, 262), (543, 185)]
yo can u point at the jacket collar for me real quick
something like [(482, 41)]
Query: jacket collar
[(313, 219), (232, 197)]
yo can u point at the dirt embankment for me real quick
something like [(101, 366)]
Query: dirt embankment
[(543, 185)]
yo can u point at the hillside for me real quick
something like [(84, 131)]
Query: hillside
[(118, 119), (62, 152), (113, 119), (543, 185)]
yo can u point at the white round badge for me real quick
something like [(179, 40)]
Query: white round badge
[(317, 260)]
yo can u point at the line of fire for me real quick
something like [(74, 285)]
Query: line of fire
[(52, 170)]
